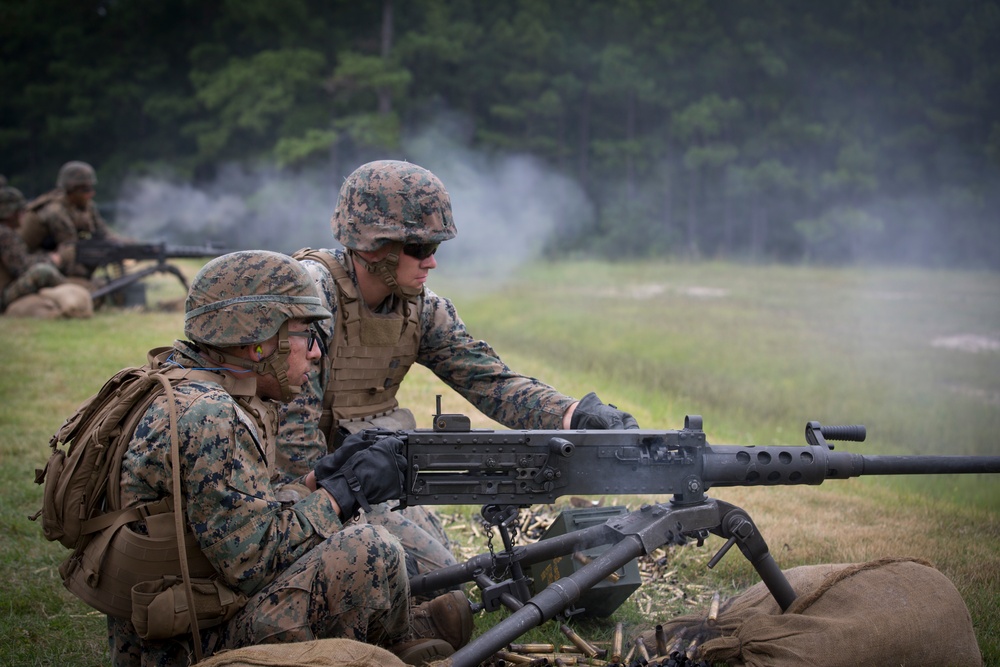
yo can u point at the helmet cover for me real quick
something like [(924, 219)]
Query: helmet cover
[(73, 174), (11, 199), (390, 200), (244, 297)]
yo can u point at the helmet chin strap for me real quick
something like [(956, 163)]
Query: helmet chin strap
[(385, 269), (275, 364)]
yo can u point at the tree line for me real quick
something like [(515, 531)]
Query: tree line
[(862, 130)]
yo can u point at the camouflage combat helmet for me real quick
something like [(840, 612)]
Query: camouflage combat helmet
[(248, 297), (74, 174), (11, 199), (244, 297), (389, 200)]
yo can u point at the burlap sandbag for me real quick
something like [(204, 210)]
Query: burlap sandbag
[(893, 611), (68, 300), (34, 306), (73, 300), (318, 653)]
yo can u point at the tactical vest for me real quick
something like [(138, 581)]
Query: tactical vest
[(33, 230), (112, 561), (369, 356)]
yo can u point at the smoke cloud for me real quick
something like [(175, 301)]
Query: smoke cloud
[(506, 207)]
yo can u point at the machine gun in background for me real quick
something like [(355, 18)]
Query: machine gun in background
[(97, 253), (453, 464)]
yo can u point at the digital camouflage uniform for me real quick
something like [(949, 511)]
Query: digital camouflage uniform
[(52, 222), (21, 273), (304, 574), (390, 203)]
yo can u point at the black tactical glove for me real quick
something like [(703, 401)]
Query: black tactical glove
[(370, 476), (591, 413), (331, 463)]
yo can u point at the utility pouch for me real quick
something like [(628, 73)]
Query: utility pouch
[(160, 609)]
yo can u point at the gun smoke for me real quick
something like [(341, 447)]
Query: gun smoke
[(506, 207)]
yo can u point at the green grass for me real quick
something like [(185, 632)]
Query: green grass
[(757, 351)]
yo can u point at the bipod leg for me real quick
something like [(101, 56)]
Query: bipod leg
[(736, 527)]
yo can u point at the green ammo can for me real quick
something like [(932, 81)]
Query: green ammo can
[(605, 597)]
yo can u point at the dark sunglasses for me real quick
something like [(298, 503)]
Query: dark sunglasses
[(310, 334), (420, 250)]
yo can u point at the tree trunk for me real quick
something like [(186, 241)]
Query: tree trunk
[(384, 94)]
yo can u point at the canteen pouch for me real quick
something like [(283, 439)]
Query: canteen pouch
[(160, 610)]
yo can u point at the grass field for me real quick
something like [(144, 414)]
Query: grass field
[(757, 351)]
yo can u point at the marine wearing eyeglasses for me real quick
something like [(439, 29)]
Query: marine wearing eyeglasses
[(390, 218), (55, 221)]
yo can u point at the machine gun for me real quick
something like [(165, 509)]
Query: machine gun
[(95, 253), (453, 464)]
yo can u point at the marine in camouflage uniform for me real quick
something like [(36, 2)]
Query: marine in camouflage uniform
[(21, 273), (390, 218), (305, 574), (58, 219)]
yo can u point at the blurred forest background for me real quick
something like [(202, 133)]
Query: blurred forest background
[(757, 130)]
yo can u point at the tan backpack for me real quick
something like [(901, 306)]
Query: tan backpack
[(82, 497), (88, 446)]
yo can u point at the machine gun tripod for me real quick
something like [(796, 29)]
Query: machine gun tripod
[(629, 536)]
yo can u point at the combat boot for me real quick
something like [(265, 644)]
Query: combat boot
[(447, 617), (438, 628)]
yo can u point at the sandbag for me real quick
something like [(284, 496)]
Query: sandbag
[(317, 653), (68, 300), (892, 611), (35, 306), (73, 300)]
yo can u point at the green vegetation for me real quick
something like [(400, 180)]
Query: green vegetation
[(766, 129), (756, 351)]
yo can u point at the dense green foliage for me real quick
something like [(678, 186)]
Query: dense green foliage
[(760, 129)]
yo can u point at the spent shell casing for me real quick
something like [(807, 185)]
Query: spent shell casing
[(713, 609), (513, 658), (531, 648), (617, 640), (586, 647), (552, 657), (661, 641), (640, 648)]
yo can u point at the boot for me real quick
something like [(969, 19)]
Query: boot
[(447, 617), (437, 629)]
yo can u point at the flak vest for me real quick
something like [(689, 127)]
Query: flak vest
[(369, 356)]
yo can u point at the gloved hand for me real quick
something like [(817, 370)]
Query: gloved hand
[(591, 413), (331, 463), (370, 476)]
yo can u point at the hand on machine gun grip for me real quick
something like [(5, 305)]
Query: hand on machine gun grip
[(331, 463), (592, 413), (370, 476)]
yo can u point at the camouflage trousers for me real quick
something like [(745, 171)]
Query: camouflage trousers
[(351, 585), (36, 277), (420, 532)]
